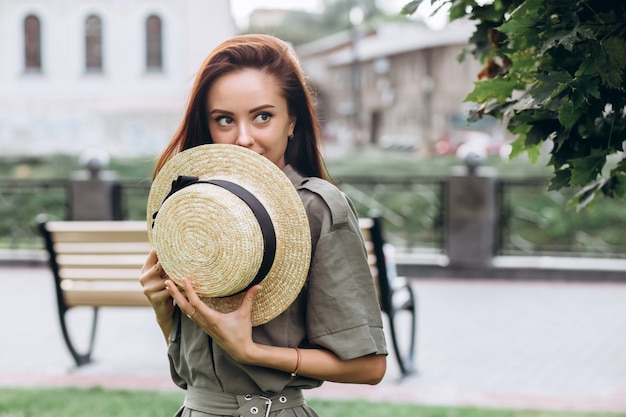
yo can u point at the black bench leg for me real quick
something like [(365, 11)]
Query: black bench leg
[(406, 356), (80, 358)]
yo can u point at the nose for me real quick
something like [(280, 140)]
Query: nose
[(244, 137)]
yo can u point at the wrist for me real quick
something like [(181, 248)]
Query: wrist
[(294, 373), (251, 355)]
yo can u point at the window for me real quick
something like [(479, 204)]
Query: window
[(32, 44), (93, 44), (154, 44)]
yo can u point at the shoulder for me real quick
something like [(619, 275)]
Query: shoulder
[(323, 189), (327, 207), (324, 199)]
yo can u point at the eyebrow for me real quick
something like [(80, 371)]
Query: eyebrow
[(254, 110)]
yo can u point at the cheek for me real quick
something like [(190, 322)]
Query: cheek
[(220, 137)]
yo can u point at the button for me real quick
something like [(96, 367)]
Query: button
[(282, 399), (254, 410), (248, 397)]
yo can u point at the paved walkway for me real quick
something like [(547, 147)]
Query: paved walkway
[(481, 343)]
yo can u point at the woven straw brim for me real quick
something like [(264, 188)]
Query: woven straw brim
[(210, 236)]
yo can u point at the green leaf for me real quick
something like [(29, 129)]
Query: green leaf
[(561, 179), (584, 87), (563, 38), (569, 114), (499, 89), (498, 110), (410, 7), (550, 85), (535, 136), (615, 187), (488, 13), (594, 59), (559, 139), (524, 20), (620, 168), (555, 77), (586, 169), (585, 197), (517, 125), (606, 59), (534, 152), (566, 84), (457, 11), (517, 146), (615, 49), (567, 38)]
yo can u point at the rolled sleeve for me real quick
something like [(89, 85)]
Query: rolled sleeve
[(343, 314)]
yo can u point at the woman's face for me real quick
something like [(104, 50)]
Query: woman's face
[(246, 108)]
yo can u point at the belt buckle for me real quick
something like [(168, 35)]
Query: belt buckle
[(254, 410), (268, 404)]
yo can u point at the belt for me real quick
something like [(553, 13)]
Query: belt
[(246, 405)]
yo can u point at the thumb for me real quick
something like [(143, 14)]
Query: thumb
[(248, 300)]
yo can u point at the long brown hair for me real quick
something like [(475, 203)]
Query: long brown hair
[(274, 57)]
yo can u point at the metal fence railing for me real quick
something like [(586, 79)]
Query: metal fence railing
[(535, 221), (413, 208), (532, 220), (21, 201)]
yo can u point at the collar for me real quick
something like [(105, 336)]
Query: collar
[(293, 175)]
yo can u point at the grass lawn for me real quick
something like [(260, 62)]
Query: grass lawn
[(99, 402)]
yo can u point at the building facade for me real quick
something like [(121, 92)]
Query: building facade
[(106, 74), (400, 85)]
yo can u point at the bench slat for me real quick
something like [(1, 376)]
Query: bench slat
[(97, 226), (104, 274), (100, 261), (102, 247), (105, 298), (98, 231), (86, 236), (103, 294)]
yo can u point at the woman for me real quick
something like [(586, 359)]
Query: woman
[(251, 92)]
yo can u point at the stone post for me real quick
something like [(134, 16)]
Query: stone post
[(472, 215), (94, 192)]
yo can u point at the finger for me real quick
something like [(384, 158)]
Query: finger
[(190, 292), (181, 300), (151, 260), (248, 300), (158, 269), (189, 302)]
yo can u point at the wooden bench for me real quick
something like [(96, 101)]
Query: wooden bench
[(97, 264)]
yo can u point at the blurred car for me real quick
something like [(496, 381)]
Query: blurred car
[(399, 142), (485, 136)]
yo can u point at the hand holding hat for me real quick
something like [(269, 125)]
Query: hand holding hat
[(227, 218)]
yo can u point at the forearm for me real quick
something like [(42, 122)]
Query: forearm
[(165, 327), (322, 364)]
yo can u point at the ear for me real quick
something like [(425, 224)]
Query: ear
[(292, 123)]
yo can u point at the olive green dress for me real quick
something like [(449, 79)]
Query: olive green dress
[(336, 310)]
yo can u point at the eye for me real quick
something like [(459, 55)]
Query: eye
[(224, 120), (262, 117)]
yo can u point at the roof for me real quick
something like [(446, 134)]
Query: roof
[(389, 40)]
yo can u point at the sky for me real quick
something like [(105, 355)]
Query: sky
[(242, 8)]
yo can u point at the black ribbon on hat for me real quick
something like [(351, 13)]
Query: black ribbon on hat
[(262, 216)]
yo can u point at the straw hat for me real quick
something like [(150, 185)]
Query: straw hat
[(248, 224)]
